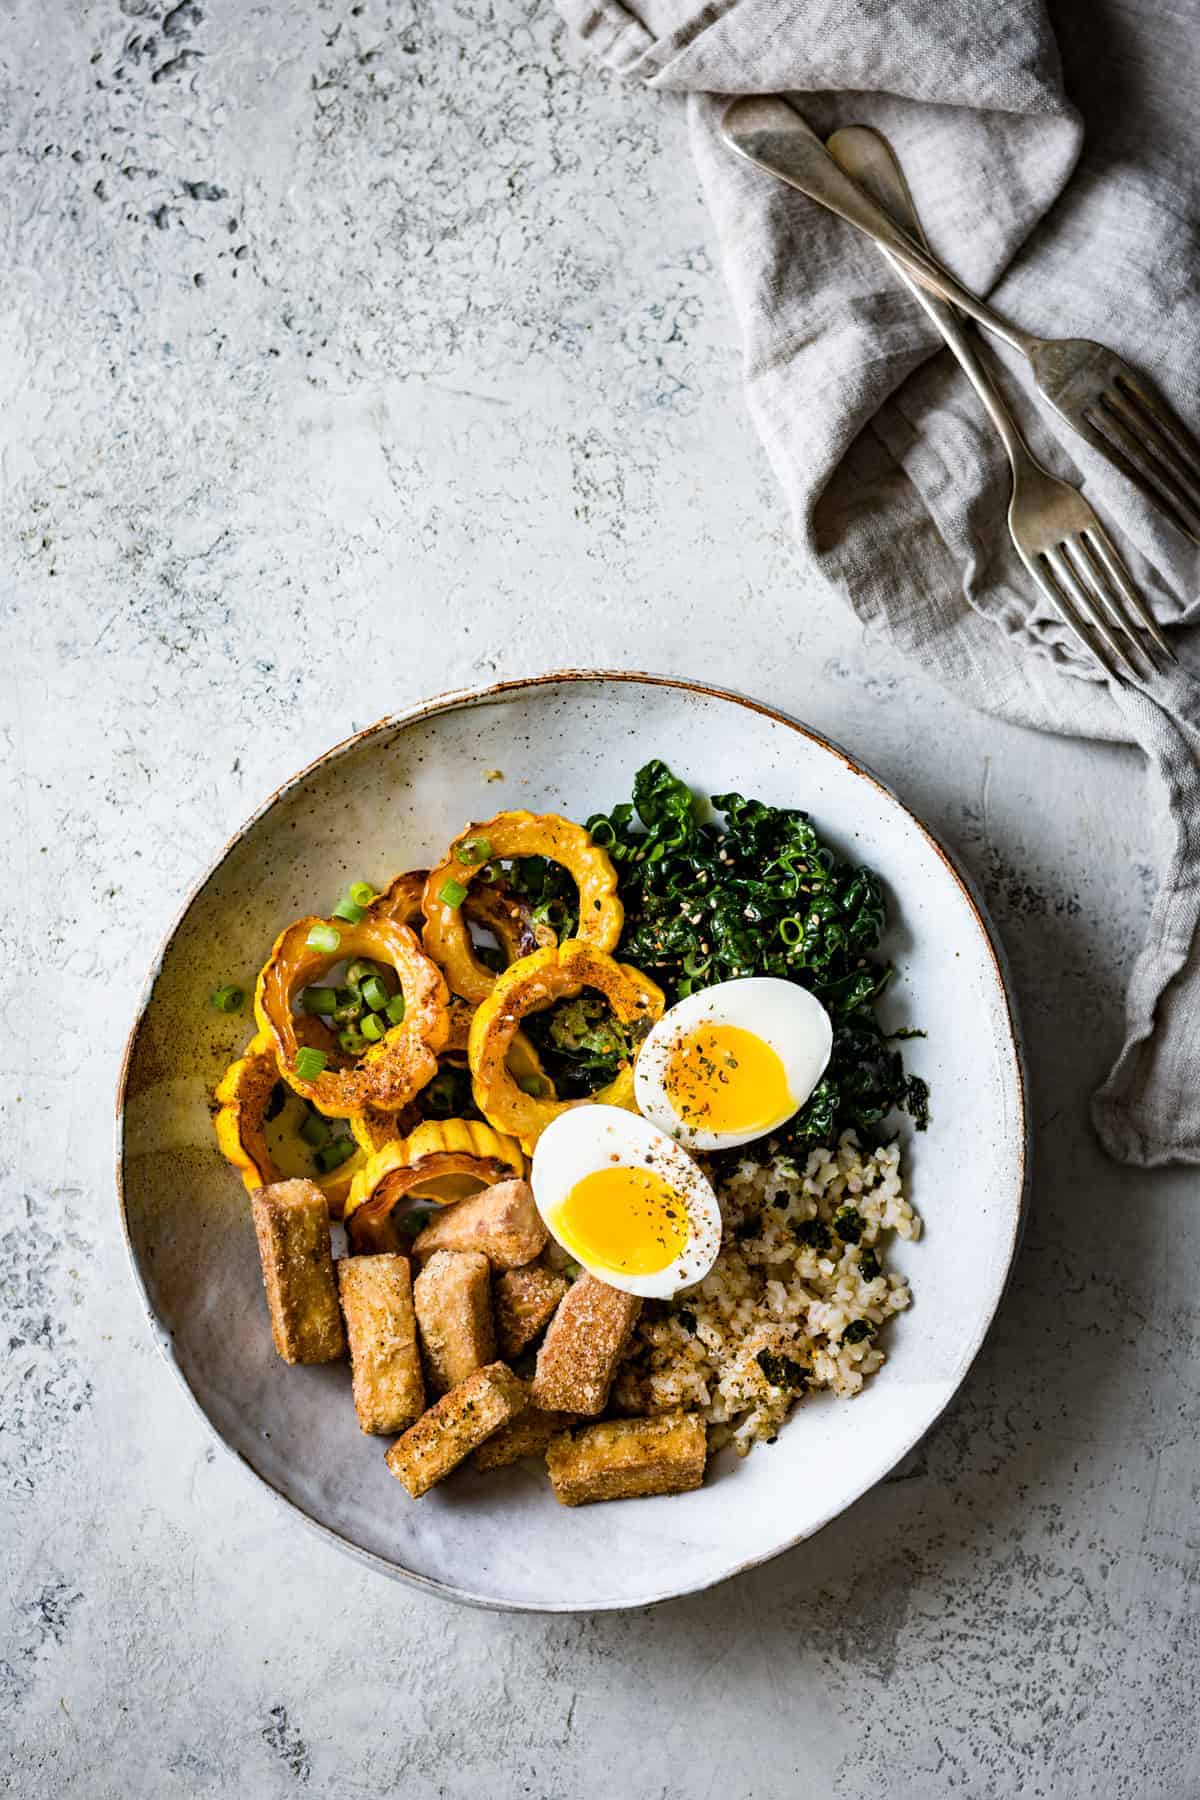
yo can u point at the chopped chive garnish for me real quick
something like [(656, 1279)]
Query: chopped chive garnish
[(534, 1085), (362, 893), (395, 1009), (373, 1027), (358, 972), (228, 998), (331, 1156), (374, 993), (349, 910), (310, 1063), (472, 851), (326, 938), (319, 1000), (490, 872), (352, 1042), (315, 1130), (452, 893)]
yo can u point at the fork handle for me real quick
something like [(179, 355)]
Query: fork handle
[(771, 134), (866, 157)]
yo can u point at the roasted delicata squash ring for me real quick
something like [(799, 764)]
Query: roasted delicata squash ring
[(442, 1160), (531, 985), (243, 1095), (388, 1073), (515, 834)]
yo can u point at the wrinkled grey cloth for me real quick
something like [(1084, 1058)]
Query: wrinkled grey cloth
[(898, 484)]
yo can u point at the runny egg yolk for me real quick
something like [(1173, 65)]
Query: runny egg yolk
[(722, 1078), (623, 1218)]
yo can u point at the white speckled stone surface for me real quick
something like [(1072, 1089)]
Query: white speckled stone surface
[(350, 352)]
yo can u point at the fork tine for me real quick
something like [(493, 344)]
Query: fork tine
[(1168, 422), (1092, 576), (1084, 602), (1146, 431), (1099, 547), (1066, 612), (1118, 443)]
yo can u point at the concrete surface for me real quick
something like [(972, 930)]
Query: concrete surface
[(351, 352)]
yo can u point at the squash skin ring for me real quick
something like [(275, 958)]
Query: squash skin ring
[(390, 1072), (243, 1094), (530, 986), (459, 1155), (517, 834)]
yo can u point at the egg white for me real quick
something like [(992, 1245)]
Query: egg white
[(787, 1017), (588, 1138)]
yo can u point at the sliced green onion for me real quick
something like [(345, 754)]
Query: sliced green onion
[(349, 910), (310, 1063), (791, 930), (325, 938), (228, 998), (319, 1000), (489, 872), (472, 851), (452, 893), (603, 834), (534, 1085), (373, 1027), (358, 972), (395, 1009), (374, 993), (572, 1270), (331, 1156), (352, 1042), (348, 1013), (362, 893), (315, 1130)]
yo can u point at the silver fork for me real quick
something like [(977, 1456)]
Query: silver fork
[(1095, 391), (1058, 536)]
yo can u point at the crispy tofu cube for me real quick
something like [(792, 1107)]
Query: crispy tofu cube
[(291, 1222), (453, 1299), (524, 1301), (502, 1221), (460, 1422), (377, 1305), (586, 1339), (528, 1435), (625, 1459)]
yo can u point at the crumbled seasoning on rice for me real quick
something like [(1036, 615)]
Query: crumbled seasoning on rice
[(788, 1306)]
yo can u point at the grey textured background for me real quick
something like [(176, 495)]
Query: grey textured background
[(351, 352)]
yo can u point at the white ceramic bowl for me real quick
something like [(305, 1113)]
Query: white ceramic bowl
[(390, 799)]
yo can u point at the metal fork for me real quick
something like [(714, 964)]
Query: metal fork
[(1058, 536), (1095, 391)]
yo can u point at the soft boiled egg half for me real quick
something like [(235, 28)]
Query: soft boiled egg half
[(733, 1062), (626, 1201)]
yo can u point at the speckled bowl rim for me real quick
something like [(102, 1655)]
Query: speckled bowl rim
[(461, 699)]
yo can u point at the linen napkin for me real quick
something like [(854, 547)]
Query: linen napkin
[(898, 486)]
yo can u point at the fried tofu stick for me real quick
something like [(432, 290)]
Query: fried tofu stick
[(291, 1222), (502, 1221), (528, 1435), (453, 1300), (377, 1304), (525, 1301), (626, 1459), (586, 1340), (460, 1422)]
